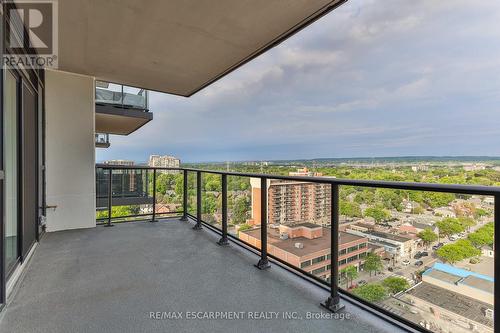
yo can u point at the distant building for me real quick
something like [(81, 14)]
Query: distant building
[(307, 246), (165, 161), (305, 173), (457, 296), (293, 201), (444, 212), (474, 167), (488, 251), (420, 167), (120, 162), (398, 245)]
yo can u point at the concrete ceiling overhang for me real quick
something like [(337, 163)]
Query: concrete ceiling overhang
[(175, 46)]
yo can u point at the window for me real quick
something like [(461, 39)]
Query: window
[(305, 264), (318, 270), (318, 259)]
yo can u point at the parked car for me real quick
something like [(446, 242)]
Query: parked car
[(405, 262), (424, 254), (437, 246), (419, 263), (361, 282), (417, 255), (454, 237)]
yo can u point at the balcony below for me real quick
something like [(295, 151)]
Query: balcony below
[(111, 279)]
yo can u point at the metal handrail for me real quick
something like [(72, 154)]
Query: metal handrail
[(410, 186), (333, 301)]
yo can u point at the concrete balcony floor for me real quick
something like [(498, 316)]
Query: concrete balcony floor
[(110, 279)]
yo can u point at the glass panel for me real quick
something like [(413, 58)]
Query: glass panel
[(211, 197), (134, 97), (428, 256), (169, 191), (11, 165), (239, 205), (191, 193), (108, 93)]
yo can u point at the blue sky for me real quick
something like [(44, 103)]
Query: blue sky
[(372, 78)]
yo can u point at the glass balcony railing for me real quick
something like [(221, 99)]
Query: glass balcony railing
[(102, 140), (420, 254), (120, 95)]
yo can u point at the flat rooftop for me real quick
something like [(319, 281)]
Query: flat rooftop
[(462, 305), (110, 279), (310, 245)]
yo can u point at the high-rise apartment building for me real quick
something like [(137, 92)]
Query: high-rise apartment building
[(165, 161), (293, 201)]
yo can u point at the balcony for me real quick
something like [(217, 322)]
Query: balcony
[(120, 109), (113, 278), (268, 243)]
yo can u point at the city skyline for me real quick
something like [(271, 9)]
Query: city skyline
[(322, 93)]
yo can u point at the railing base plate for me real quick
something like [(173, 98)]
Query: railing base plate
[(223, 242), (109, 225), (197, 227), (263, 264), (183, 219), (328, 304), (153, 221)]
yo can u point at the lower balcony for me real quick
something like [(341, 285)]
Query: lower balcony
[(131, 277)]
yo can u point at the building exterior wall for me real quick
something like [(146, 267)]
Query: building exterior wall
[(70, 150), (292, 202)]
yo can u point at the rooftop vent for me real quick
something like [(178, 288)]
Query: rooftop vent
[(284, 235), (299, 245)]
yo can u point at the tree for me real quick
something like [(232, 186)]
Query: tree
[(427, 236), (241, 208), (378, 213), (350, 209), (436, 199), (373, 263), (461, 249), (350, 273), (483, 236), (466, 222), (449, 226), (370, 292), (395, 284)]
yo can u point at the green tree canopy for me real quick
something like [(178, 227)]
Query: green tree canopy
[(483, 236), (379, 213), (373, 263), (395, 284), (427, 236), (459, 250), (350, 209), (449, 226), (350, 272), (370, 292)]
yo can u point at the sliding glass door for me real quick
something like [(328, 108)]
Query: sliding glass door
[(11, 169)]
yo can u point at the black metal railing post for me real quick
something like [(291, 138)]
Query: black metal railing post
[(197, 226), (224, 241), (185, 197), (496, 267), (110, 197), (153, 218), (263, 262), (333, 301)]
